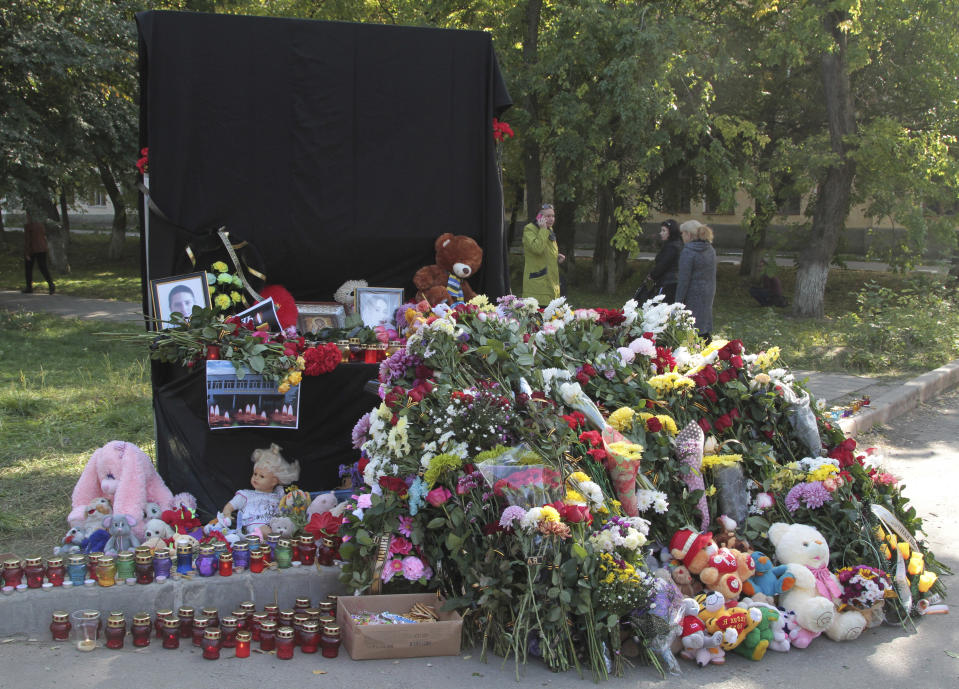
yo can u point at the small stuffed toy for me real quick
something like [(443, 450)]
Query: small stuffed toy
[(768, 634), (283, 526), (457, 258), (96, 511), (728, 538), (769, 580), (346, 294), (151, 511), (70, 543), (257, 507), (816, 592), (735, 622), (120, 527), (95, 542), (720, 569), (285, 304), (156, 532), (324, 502), (183, 521), (122, 473), (698, 645)]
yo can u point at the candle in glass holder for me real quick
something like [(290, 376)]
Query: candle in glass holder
[(212, 615), (141, 629), (228, 632), (56, 571), (106, 570), (143, 568), (161, 617), (60, 625), (309, 637), (257, 562), (206, 565), (171, 633), (272, 610), (307, 549), (326, 607), (33, 569), (92, 560), (284, 643), (242, 619), (162, 563), (200, 625), (243, 641), (330, 642), (283, 554), (256, 621), (184, 557), (301, 604), (299, 619), (85, 628), (116, 631), (271, 541), (285, 618), (77, 569), (295, 548), (268, 636), (247, 606), (324, 555), (226, 564), (241, 555), (125, 565), (211, 644), (185, 614)]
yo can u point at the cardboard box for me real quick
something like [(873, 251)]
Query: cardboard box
[(376, 641)]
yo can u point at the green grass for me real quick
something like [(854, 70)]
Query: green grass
[(65, 390), (91, 274)]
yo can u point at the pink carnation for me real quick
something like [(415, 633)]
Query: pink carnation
[(438, 496), (413, 568)]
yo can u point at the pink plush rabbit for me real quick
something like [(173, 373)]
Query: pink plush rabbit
[(123, 473)]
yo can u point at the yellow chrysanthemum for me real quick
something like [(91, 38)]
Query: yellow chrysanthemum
[(626, 450), (766, 359), (669, 423), (235, 297), (284, 388), (222, 302), (622, 419), (711, 491), (219, 266), (574, 497), (712, 461), (549, 514), (671, 381), (295, 377), (578, 476), (826, 471)]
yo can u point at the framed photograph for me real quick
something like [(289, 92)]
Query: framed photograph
[(178, 293), (377, 305), (247, 402), (260, 313), (316, 315)]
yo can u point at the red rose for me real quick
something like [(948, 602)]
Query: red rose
[(710, 394), (438, 496), (582, 378), (733, 413), (649, 336), (400, 546), (727, 376), (361, 465), (593, 438), (393, 483), (736, 361), (724, 354), (422, 371), (709, 373), (575, 420), (704, 424), (325, 524), (577, 513), (654, 425), (723, 422)]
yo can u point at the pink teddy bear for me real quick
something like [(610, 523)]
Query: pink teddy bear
[(122, 473)]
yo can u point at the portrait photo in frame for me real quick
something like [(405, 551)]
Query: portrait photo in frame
[(314, 316), (178, 293), (377, 305)]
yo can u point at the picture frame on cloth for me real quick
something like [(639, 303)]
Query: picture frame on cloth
[(178, 294), (377, 305), (314, 316)]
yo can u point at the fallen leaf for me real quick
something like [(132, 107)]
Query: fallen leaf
[(319, 672), (952, 654), (477, 674), (467, 657)]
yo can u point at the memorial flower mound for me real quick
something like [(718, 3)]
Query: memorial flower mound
[(532, 464)]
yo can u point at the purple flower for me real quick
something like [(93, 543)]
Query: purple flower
[(511, 514), (406, 525), (793, 496), (816, 495), (360, 430)]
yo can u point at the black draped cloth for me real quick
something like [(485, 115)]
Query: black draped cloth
[(338, 151)]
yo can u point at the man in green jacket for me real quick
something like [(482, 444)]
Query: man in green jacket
[(541, 267)]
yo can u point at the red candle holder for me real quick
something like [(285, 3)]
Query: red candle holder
[(211, 644), (243, 641)]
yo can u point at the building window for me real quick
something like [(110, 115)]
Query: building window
[(98, 197)]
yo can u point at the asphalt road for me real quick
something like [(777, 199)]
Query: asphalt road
[(921, 447)]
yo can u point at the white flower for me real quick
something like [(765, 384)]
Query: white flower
[(643, 347), (626, 354), (630, 312), (571, 394), (531, 519)]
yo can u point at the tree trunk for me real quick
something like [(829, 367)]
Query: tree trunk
[(119, 231), (601, 245), (755, 242), (835, 190), (3, 230), (532, 165)]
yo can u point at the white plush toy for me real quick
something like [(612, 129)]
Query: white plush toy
[(155, 531), (816, 591)]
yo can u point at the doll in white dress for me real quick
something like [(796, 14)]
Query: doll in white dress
[(255, 508)]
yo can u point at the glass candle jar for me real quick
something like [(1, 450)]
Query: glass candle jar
[(333, 598), (299, 619), (162, 563), (106, 571), (142, 550), (285, 618), (211, 644), (307, 548), (324, 554), (271, 541), (212, 616), (56, 571), (330, 642), (171, 633), (272, 611), (116, 631), (248, 607), (301, 604), (325, 619), (257, 561), (60, 625), (242, 619), (283, 554), (13, 572), (256, 623), (141, 629), (356, 349), (184, 557), (369, 354), (243, 642), (294, 548), (225, 563), (125, 565), (77, 569), (33, 569), (344, 347), (228, 632), (309, 637), (162, 616), (143, 568), (92, 560), (326, 607), (185, 614), (219, 549), (268, 636), (313, 614), (200, 625), (85, 629), (205, 561), (241, 555), (284, 643)]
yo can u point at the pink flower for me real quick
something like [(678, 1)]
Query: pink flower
[(412, 568), (399, 545), (765, 500), (391, 568), (437, 497), (364, 501)]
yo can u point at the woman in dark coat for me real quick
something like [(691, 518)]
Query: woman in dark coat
[(665, 271), (35, 251), (696, 282)]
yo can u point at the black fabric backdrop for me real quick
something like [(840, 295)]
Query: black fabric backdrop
[(340, 151)]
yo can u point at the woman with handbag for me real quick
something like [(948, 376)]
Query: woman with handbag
[(665, 271)]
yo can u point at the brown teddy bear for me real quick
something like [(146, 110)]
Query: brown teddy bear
[(720, 569), (457, 258)]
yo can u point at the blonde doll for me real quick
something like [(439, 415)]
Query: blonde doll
[(255, 508)]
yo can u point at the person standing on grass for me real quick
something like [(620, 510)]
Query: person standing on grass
[(696, 280), (35, 250), (664, 273), (542, 258)]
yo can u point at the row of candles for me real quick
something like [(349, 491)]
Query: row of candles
[(351, 351), (281, 631), (144, 565)]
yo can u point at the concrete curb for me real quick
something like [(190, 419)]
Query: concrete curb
[(908, 396)]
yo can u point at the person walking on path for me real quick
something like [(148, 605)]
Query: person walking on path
[(542, 258), (696, 279), (35, 250), (665, 271)]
